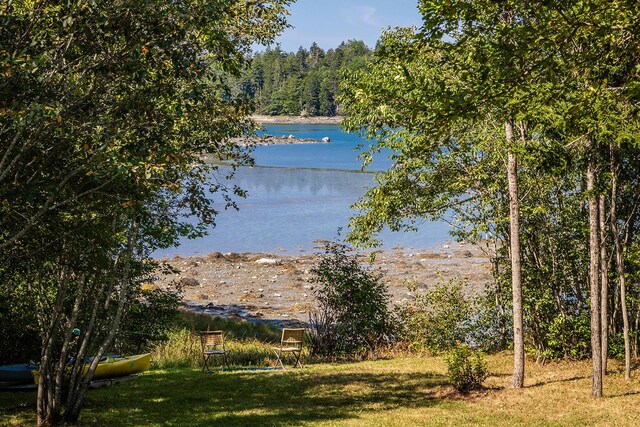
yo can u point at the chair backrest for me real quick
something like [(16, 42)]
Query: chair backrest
[(292, 337), (211, 339)]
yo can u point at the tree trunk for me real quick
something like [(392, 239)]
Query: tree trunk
[(604, 286), (594, 273), (74, 404), (60, 396), (517, 381), (620, 266), (637, 340)]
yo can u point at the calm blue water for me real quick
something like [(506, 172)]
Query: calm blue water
[(340, 153), (299, 194)]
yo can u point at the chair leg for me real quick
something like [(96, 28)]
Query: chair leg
[(298, 363), (278, 360)]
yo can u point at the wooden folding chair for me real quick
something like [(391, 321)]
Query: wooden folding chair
[(290, 342), (213, 345)]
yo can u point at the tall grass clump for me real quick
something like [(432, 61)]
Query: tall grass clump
[(238, 329), (249, 344)]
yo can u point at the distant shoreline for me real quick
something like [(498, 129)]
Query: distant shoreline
[(298, 120)]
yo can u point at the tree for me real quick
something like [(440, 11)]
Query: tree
[(597, 91), (107, 109), (311, 94), (489, 81), (543, 70), (326, 101)]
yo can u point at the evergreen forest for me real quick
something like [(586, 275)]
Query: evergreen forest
[(302, 83)]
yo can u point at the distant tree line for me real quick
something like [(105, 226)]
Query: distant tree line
[(302, 83)]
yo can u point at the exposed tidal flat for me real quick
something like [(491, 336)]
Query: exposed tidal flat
[(300, 195), (277, 288)]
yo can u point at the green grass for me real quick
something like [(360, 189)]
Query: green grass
[(183, 349), (405, 391), (249, 344)]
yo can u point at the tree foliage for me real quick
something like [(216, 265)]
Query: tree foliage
[(106, 109), (566, 74)]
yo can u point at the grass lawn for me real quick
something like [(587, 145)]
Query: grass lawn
[(406, 391)]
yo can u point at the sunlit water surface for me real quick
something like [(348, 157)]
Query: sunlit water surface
[(298, 195)]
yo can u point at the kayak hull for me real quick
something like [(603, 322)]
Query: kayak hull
[(18, 373), (121, 366), (114, 367)]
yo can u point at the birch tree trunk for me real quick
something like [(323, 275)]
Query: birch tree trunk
[(594, 273), (620, 266), (517, 381), (604, 289)]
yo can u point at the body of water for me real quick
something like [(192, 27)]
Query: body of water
[(340, 153), (299, 194)]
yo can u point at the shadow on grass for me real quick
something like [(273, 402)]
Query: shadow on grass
[(630, 393), (561, 380), (187, 397)]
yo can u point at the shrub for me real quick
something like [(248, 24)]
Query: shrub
[(449, 314), (437, 320), (466, 369), (566, 336), (353, 318), (19, 333)]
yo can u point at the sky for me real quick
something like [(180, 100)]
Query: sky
[(330, 22)]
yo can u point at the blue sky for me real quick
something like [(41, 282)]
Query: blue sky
[(330, 22)]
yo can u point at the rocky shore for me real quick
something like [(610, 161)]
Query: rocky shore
[(276, 288), (274, 140), (298, 120), (286, 139)]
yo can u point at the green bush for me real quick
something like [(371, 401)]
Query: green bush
[(568, 337), (449, 314), (19, 334), (150, 316), (353, 319), (439, 319), (466, 369)]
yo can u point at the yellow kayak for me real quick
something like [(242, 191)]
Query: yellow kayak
[(115, 366)]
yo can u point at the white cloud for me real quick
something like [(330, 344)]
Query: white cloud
[(358, 15), (368, 15)]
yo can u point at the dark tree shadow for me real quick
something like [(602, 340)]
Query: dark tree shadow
[(561, 380), (258, 398)]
